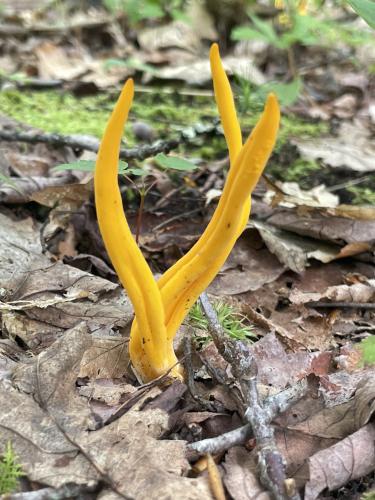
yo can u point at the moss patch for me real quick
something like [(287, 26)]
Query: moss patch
[(61, 112)]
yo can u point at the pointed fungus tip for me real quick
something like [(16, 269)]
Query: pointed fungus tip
[(129, 84), (272, 102), (214, 50)]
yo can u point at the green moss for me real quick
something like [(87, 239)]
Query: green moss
[(299, 171), (56, 112), (362, 195), (230, 319), (295, 127), (61, 112)]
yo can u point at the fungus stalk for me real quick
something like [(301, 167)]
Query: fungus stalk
[(160, 307)]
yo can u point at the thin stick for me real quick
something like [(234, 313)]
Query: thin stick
[(90, 143), (258, 414), (349, 305)]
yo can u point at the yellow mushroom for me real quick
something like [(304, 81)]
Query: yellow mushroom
[(127, 259), (181, 285), (151, 338)]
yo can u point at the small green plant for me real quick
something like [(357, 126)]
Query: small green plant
[(136, 10), (230, 319), (143, 10), (10, 471), (367, 346), (362, 195)]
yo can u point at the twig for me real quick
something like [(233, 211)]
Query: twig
[(223, 442), (258, 414), (268, 325), (216, 483), (188, 341), (277, 404), (90, 143), (351, 305), (69, 490), (140, 392)]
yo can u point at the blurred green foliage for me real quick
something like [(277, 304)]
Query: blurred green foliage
[(144, 10), (367, 347), (365, 9), (10, 470)]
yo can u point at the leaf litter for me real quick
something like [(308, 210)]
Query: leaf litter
[(302, 273)]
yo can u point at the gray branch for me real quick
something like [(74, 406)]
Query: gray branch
[(90, 143), (259, 414)]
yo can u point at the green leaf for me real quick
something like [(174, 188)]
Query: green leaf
[(174, 163), (286, 92), (138, 172), (263, 31), (247, 33), (151, 11), (131, 62), (365, 9), (88, 166), (266, 29), (81, 165), (304, 31)]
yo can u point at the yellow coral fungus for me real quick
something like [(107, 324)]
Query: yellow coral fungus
[(161, 307)]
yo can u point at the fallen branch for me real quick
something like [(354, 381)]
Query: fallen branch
[(277, 404), (258, 413), (64, 492), (90, 143), (349, 305)]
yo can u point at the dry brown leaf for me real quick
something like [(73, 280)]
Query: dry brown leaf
[(41, 299), (319, 225), (347, 460), (107, 358), (353, 148), (128, 450), (54, 62), (198, 72), (279, 369), (249, 266), (241, 479), (358, 292), (172, 35), (293, 250)]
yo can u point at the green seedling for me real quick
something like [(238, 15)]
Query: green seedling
[(10, 471), (231, 320)]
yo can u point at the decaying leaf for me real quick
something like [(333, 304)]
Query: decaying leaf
[(353, 148), (357, 292), (249, 266), (293, 250), (241, 477), (319, 225), (43, 299), (56, 448), (351, 458)]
